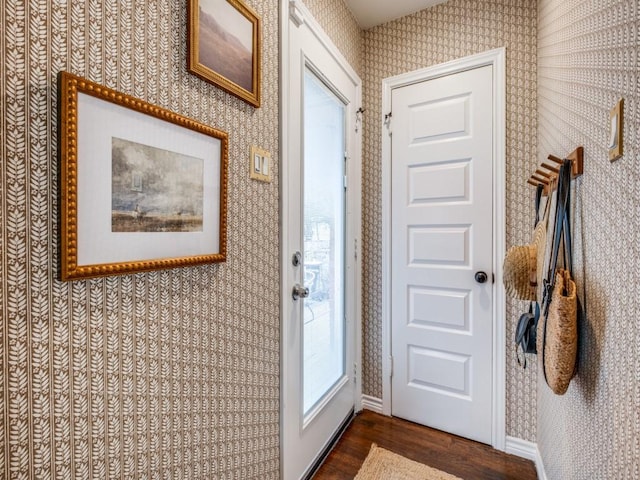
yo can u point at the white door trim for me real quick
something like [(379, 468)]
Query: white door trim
[(299, 14), (497, 59)]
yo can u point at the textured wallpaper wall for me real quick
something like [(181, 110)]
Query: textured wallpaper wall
[(439, 34), (171, 374), (340, 25), (587, 59)]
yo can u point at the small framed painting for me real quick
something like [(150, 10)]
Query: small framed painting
[(224, 46), (142, 188)]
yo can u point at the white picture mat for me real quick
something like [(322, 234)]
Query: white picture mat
[(99, 121)]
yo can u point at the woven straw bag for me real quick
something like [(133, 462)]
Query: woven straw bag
[(557, 336)]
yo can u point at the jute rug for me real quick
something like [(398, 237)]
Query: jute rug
[(382, 464)]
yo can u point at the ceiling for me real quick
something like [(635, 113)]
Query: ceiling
[(369, 13)]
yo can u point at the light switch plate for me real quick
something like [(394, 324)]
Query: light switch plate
[(616, 124), (260, 164)]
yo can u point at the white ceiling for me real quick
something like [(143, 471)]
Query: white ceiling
[(369, 13)]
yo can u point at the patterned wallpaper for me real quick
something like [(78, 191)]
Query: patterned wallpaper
[(170, 374), (587, 59), (340, 25), (439, 34)]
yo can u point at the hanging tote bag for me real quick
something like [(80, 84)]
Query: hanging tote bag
[(560, 342), (557, 335)]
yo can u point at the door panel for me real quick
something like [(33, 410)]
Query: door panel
[(439, 308), (441, 200), (446, 181), (439, 119), (441, 372), (439, 245)]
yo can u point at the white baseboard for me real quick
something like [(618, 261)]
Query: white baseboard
[(372, 403), (521, 448), (528, 450)]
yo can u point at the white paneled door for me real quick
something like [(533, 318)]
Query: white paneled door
[(442, 252), (321, 227)]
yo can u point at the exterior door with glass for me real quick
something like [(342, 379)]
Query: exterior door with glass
[(320, 227)]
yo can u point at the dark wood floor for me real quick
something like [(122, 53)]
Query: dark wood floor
[(458, 456)]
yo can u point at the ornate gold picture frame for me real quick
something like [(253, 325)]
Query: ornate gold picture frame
[(142, 188), (224, 46)]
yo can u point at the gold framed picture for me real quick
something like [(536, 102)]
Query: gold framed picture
[(224, 46), (142, 188)]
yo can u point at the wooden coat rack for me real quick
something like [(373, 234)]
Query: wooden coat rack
[(547, 175)]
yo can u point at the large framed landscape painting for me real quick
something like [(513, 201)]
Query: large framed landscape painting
[(224, 46), (142, 188)]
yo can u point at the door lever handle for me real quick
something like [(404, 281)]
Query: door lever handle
[(299, 291)]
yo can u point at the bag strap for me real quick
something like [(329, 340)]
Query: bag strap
[(539, 191), (547, 206), (562, 226), (544, 346), (545, 215), (562, 197), (520, 333), (568, 261)]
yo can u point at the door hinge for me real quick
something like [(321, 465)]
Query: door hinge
[(387, 121), (359, 113), (391, 366), (355, 372), (355, 248)]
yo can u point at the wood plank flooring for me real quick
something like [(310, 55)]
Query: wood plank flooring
[(464, 458)]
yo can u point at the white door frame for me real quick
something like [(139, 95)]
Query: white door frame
[(496, 58), (299, 14)]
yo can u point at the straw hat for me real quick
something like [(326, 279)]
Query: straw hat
[(523, 267), (520, 267)]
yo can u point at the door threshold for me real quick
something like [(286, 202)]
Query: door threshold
[(332, 443)]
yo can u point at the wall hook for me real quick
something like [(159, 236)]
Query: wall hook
[(547, 174)]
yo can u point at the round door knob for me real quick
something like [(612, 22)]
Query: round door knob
[(299, 292), (481, 277)]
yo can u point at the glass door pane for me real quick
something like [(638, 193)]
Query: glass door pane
[(324, 233)]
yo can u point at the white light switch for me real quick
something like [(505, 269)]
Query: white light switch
[(260, 162), (615, 130), (257, 163)]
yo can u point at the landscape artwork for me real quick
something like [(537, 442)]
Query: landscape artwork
[(155, 190), (225, 41)]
